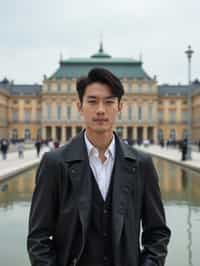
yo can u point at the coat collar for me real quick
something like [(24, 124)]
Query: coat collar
[(76, 149)]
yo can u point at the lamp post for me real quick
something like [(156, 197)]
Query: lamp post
[(189, 53)]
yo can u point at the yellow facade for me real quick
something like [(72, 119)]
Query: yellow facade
[(53, 113)]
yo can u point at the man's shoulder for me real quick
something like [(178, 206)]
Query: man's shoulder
[(139, 155), (71, 151)]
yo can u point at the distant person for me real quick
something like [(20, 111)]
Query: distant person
[(20, 149), (4, 148), (38, 145), (51, 144), (56, 144), (184, 149)]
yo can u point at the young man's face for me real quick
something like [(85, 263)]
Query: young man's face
[(99, 107)]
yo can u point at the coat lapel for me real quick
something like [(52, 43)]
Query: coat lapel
[(80, 176), (123, 184)]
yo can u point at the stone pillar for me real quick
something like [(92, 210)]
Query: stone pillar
[(155, 135), (53, 132), (44, 136), (144, 133), (73, 131), (63, 134), (124, 133)]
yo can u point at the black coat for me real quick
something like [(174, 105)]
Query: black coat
[(62, 197)]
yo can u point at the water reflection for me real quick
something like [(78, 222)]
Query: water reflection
[(181, 186), (178, 184), (17, 189), (180, 191)]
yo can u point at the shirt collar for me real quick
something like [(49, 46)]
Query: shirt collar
[(91, 148)]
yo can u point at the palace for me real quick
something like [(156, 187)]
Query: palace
[(151, 111)]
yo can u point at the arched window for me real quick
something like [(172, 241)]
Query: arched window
[(172, 134), (160, 134), (14, 133), (27, 134)]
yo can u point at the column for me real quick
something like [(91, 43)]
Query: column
[(124, 133), (63, 137), (44, 132), (73, 131), (53, 132), (144, 133), (155, 135)]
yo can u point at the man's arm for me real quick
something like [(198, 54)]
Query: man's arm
[(156, 234), (43, 215)]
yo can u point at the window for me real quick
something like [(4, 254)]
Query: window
[(160, 134), (39, 115), (27, 116), (58, 112), (129, 90), (185, 133), (15, 116), (184, 115), (140, 113), (14, 133), (27, 134), (150, 112), (27, 101), (172, 116), (160, 116), (48, 112), (129, 112), (68, 87), (59, 87), (15, 102), (172, 134), (69, 112), (172, 102)]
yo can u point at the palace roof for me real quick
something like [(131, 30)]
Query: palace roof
[(121, 67)]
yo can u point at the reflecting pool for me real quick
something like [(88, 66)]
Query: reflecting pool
[(181, 195)]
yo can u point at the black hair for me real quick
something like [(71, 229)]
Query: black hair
[(103, 76)]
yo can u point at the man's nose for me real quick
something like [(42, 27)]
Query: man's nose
[(100, 108)]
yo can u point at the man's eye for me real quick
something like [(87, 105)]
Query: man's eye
[(91, 101), (109, 101)]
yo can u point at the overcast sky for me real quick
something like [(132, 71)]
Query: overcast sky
[(34, 32)]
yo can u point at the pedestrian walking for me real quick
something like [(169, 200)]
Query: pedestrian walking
[(38, 146), (4, 148), (184, 149), (20, 149)]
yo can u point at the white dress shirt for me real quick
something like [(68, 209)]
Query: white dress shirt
[(102, 170)]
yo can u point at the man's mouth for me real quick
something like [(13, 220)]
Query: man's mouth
[(100, 120)]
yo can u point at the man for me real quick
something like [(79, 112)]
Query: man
[(92, 193)]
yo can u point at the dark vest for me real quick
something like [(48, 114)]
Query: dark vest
[(98, 248)]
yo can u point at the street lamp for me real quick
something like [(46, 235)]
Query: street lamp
[(189, 53)]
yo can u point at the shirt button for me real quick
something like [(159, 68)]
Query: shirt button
[(105, 211), (105, 258), (105, 234)]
